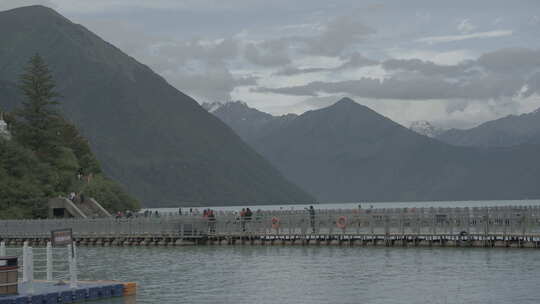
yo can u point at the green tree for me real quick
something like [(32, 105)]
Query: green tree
[(110, 194), (72, 139), (25, 182), (48, 156), (36, 127)]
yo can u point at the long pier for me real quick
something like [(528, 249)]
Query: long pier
[(507, 226)]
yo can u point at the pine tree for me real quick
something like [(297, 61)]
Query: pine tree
[(36, 128)]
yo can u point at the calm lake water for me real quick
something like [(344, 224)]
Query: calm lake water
[(275, 274), (295, 274)]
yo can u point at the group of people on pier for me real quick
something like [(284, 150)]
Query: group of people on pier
[(211, 217), (245, 216), (129, 214)]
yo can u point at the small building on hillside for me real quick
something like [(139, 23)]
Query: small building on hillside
[(4, 131)]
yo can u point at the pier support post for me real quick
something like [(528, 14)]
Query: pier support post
[(30, 268), (26, 262), (2, 248), (72, 254), (49, 262)]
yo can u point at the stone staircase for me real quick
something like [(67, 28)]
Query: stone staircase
[(89, 208)]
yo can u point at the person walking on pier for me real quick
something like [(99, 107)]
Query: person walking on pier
[(243, 219), (248, 216), (211, 221), (311, 211)]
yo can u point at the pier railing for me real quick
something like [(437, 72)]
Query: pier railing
[(44, 263), (511, 220), (103, 227), (507, 220)]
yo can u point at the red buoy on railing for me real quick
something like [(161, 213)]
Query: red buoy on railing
[(275, 223), (342, 222)]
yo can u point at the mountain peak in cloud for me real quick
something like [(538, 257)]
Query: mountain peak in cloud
[(345, 101), (35, 10)]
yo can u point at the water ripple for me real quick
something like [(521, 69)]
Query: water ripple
[(251, 274)]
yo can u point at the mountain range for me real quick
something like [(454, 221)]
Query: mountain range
[(158, 142), (168, 150), (348, 152), (248, 122), (508, 131)]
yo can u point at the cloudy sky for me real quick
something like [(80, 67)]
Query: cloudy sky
[(453, 63)]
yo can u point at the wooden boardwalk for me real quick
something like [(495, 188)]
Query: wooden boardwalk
[(509, 226)]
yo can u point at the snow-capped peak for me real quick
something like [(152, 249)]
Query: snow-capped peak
[(425, 128), (212, 106)]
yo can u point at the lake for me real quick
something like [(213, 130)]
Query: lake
[(291, 274), (326, 274)]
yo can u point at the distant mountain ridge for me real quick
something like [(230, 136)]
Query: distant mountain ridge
[(508, 131), (154, 139), (247, 122), (348, 152)]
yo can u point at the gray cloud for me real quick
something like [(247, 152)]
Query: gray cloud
[(337, 36), (258, 36), (485, 78), (196, 49), (187, 61), (426, 88), (209, 84), (427, 67), (196, 67), (533, 85), (291, 71), (332, 40), (453, 38), (503, 61), (268, 53), (510, 60), (356, 60), (419, 88)]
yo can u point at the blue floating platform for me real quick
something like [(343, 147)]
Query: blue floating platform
[(44, 292)]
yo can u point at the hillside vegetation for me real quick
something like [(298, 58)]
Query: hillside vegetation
[(46, 156)]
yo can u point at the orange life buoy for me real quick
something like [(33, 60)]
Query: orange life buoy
[(275, 223), (342, 222)]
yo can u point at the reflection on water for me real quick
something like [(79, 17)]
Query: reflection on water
[(288, 274), (123, 300)]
